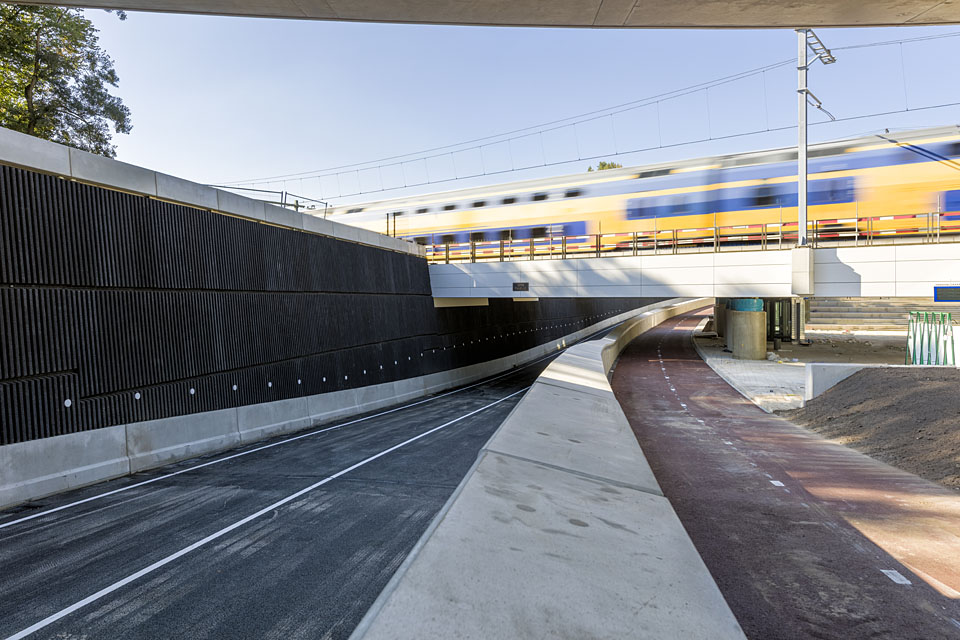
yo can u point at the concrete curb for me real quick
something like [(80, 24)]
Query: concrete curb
[(38, 468), (560, 529), (730, 381)]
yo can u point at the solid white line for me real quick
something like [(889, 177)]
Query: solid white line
[(10, 523), (222, 532), (895, 575)]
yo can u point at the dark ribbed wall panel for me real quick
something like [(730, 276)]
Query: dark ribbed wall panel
[(117, 308)]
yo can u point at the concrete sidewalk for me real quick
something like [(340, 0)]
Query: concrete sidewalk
[(777, 385), (771, 385)]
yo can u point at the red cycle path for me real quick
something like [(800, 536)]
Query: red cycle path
[(806, 538)]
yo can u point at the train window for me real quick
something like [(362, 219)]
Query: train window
[(356, 210), (479, 203), (820, 153), (477, 236), (537, 197), (538, 232), (397, 213), (764, 197), (423, 240), (680, 206), (508, 201), (447, 238), (449, 207), (953, 149), (653, 173), (572, 193), (506, 234), (424, 210)]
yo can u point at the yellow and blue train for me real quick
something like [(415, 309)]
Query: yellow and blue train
[(880, 184)]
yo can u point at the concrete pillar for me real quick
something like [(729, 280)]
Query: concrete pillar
[(748, 331), (720, 319)]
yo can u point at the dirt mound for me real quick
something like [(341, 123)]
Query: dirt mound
[(908, 418)]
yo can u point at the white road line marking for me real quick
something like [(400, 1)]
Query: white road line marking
[(10, 523), (239, 523), (776, 483), (895, 575)]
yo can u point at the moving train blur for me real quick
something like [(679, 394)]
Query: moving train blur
[(869, 189)]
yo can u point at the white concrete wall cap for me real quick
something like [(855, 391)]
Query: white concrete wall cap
[(234, 204), (90, 167), (184, 191), (29, 152)]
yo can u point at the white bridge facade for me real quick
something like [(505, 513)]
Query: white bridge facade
[(898, 270)]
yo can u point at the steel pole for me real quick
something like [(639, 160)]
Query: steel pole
[(802, 137)]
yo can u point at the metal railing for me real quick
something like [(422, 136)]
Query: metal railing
[(858, 231), (930, 338)]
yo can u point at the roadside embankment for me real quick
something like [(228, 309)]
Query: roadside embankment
[(560, 529), (905, 416)]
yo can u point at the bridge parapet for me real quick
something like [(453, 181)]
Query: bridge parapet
[(891, 270)]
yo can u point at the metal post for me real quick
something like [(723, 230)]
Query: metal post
[(802, 137)]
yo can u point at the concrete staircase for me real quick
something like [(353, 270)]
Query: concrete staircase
[(870, 314)]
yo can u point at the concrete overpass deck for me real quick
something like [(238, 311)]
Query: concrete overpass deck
[(570, 13)]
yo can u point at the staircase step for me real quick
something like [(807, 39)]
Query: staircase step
[(859, 327)]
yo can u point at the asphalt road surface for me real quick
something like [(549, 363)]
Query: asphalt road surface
[(289, 538)]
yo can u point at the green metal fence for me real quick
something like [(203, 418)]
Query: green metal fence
[(930, 338)]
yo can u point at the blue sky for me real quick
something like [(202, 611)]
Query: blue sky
[(225, 99)]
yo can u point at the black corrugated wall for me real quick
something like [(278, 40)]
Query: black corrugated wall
[(117, 308)]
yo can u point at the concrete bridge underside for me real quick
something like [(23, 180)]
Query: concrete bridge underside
[(571, 13)]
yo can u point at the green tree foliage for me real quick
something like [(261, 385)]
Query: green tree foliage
[(54, 78), (603, 164)]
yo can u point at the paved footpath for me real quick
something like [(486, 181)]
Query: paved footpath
[(806, 538)]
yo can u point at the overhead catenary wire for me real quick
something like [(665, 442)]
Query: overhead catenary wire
[(528, 131), (656, 147), (452, 150)]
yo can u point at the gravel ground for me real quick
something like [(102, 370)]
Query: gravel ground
[(847, 347), (908, 418)]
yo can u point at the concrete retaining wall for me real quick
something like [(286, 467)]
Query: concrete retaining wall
[(560, 529), (28, 152), (42, 467), (821, 376)]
